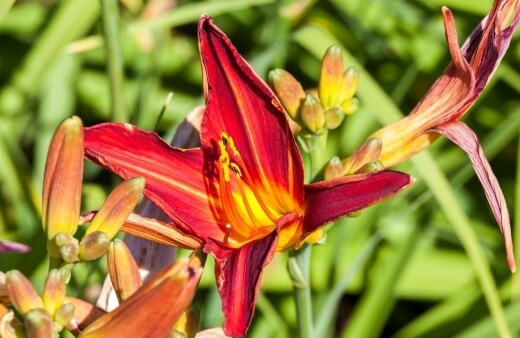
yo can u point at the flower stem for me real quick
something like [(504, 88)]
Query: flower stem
[(300, 260), (114, 58)]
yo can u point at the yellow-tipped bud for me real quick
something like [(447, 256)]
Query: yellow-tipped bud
[(349, 106), (370, 167), (53, 291), (334, 168), (368, 152), (331, 77), (69, 252), (22, 293), (312, 115), (288, 90), (333, 118), (189, 322), (62, 181), (349, 85), (63, 316), (38, 324), (123, 270), (117, 207), (93, 246)]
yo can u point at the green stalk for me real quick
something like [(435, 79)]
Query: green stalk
[(299, 260), (114, 58), (515, 287)]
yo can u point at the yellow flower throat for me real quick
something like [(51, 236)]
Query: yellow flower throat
[(248, 216)]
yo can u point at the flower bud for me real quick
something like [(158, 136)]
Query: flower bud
[(334, 168), (38, 324), (63, 315), (312, 114), (349, 85), (370, 167), (117, 207), (331, 77), (189, 322), (93, 246), (350, 105), (69, 252), (288, 90), (53, 291), (123, 270), (22, 293), (366, 153), (333, 118), (62, 180)]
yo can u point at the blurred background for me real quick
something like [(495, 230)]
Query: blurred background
[(400, 268)]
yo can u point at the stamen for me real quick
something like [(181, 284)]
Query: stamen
[(247, 176), (228, 232)]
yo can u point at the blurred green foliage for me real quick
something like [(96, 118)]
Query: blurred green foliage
[(401, 263)]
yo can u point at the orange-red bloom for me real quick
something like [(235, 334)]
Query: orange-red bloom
[(242, 192)]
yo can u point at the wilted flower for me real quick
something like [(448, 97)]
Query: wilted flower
[(450, 97)]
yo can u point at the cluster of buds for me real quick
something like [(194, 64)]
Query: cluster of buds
[(325, 110), (37, 316), (169, 293), (364, 160), (62, 201)]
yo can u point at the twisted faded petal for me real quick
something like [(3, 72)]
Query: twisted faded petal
[(465, 138)]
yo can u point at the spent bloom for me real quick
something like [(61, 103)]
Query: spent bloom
[(451, 96), (242, 192)]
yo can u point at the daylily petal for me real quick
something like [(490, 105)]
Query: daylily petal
[(238, 273), (8, 246), (159, 232), (241, 104), (465, 138), (175, 179), (84, 314), (167, 294), (329, 200)]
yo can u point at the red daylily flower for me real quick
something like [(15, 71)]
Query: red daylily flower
[(242, 192), (451, 96)]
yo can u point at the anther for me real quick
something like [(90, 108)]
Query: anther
[(228, 232), (236, 169)]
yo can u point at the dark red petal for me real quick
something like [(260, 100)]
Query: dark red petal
[(239, 103), (329, 200), (175, 178), (238, 273), (464, 137)]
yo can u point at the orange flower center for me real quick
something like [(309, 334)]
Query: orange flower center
[(251, 207)]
